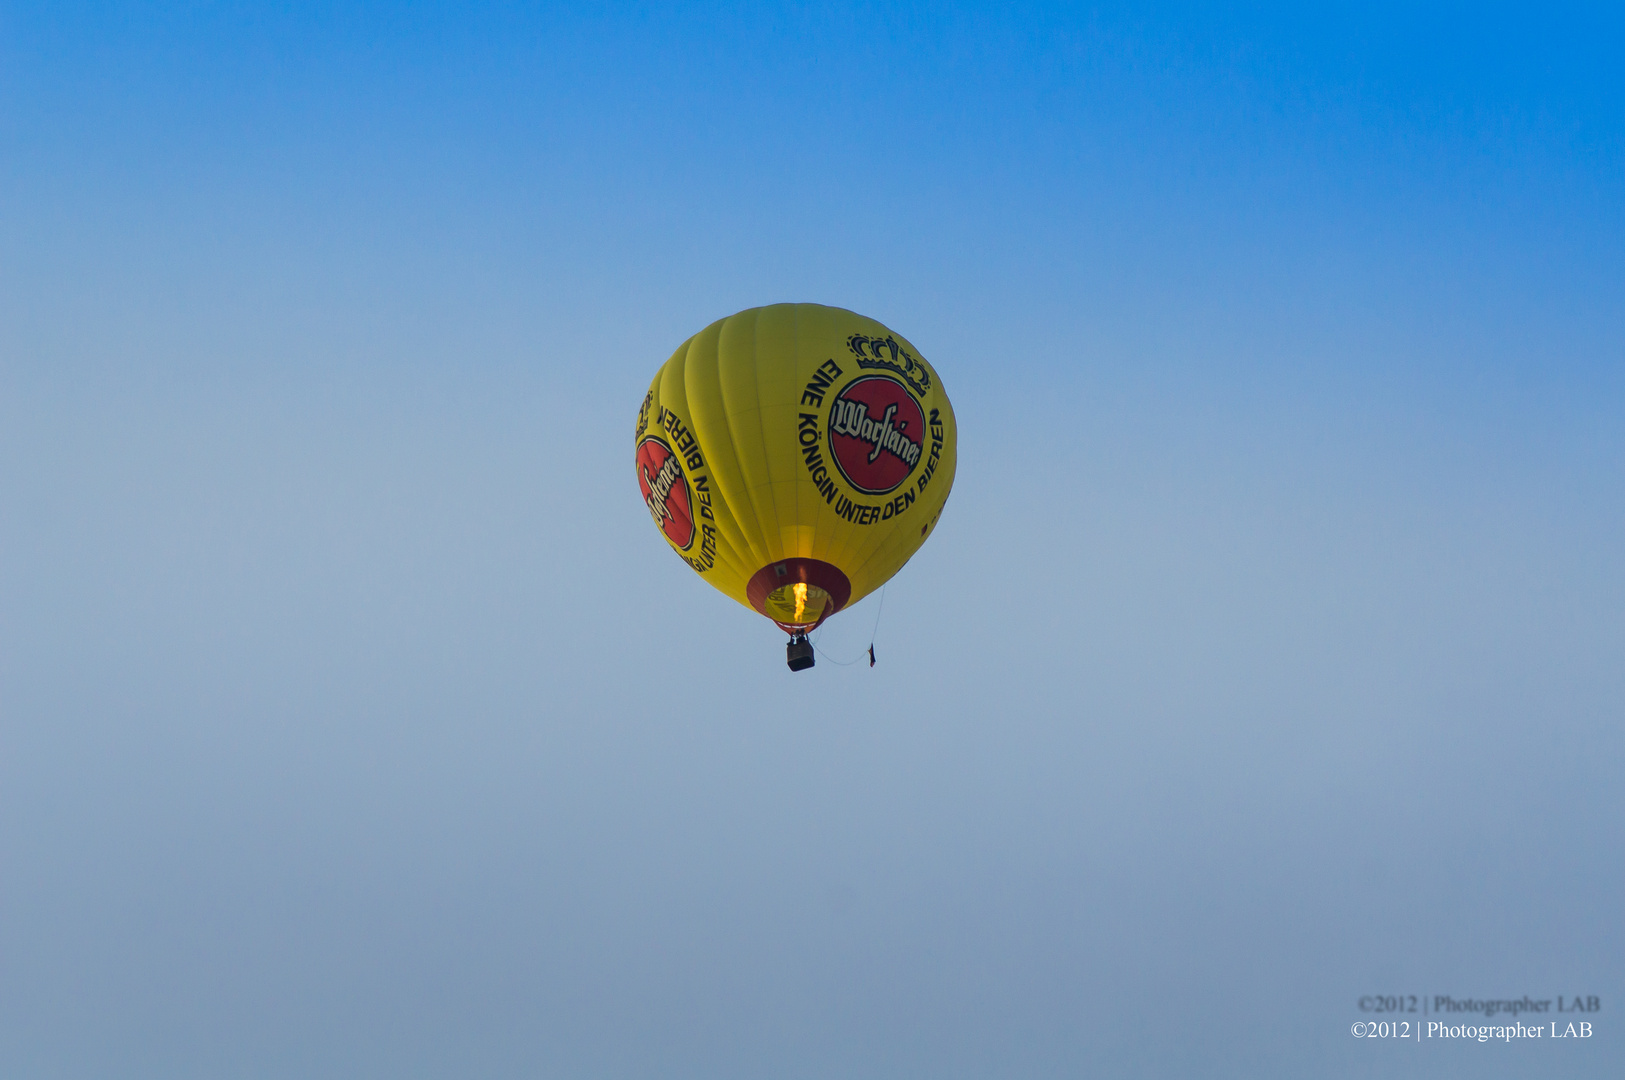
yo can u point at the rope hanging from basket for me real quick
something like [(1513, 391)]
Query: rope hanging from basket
[(873, 631)]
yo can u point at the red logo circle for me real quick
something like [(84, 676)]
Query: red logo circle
[(665, 491), (876, 433)]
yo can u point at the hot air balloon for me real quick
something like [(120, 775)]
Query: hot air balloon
[(796, 456)]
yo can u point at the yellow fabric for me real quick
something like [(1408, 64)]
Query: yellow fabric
[(742, 391)]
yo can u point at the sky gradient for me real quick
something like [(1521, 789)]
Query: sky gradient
[(354, 720)]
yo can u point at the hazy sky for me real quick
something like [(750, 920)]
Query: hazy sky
[(355, 721)]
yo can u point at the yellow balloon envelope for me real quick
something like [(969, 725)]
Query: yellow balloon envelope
[(796, 456)]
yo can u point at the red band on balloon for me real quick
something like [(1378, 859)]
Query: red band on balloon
[(802, 571)]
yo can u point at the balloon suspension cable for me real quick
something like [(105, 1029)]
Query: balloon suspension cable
[(870, 653)]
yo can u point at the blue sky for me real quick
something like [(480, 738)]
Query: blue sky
[(354, 722)]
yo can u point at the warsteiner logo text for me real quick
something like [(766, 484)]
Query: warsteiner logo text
[(875, 437), (659, 488), (876, 433), (665, 491), (672, 503), (852, 418), (677, 508)]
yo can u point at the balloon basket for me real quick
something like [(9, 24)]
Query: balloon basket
[(799, 653)]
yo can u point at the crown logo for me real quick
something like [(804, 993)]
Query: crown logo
[(886, 353)]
